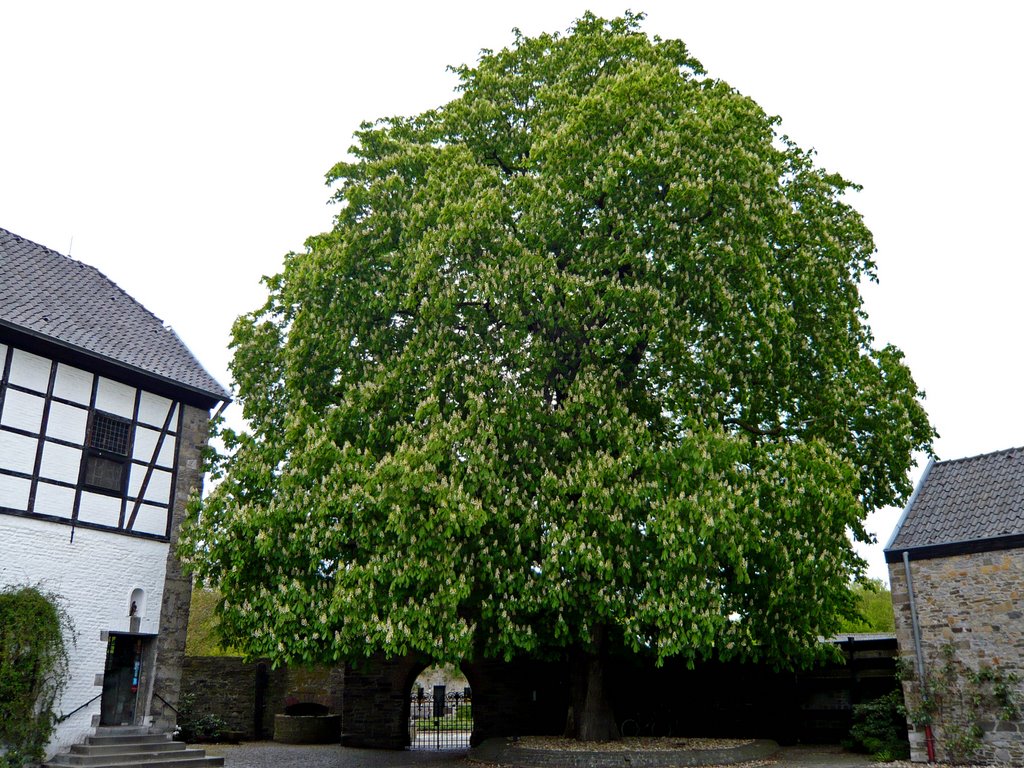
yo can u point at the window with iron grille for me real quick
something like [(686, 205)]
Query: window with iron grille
[(105, 460)]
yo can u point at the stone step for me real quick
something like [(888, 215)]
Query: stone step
[(143, 761), (165, 745), (141, 730), (189, 758), (111, 737), (138, 750)]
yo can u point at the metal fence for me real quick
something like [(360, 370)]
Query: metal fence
[(440, 719)]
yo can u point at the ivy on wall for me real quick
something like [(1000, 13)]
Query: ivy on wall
[(34, 634), (965, 703)]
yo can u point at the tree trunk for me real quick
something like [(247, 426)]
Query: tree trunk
[(590, 714)]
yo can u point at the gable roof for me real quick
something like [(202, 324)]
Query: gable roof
[(52, 297), (971, 504)]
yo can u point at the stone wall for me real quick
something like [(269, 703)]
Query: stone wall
[(177, 593), (525, 697), (245, 696), (970, 617), (314, 685), (375, 711), (248, 695)]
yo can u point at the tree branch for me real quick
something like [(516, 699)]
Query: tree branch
[(754, 430)]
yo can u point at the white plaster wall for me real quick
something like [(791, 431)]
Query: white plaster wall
[(96, 576), (18, 452), (73, 384), (31, 371), (153, 409), (24, 410), (115, 397)]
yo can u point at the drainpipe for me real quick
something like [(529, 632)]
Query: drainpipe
[(929, 737)]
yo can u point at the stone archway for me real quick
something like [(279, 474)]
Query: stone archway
[(441, 709), (509, 699), (375, 710), (376, 706)]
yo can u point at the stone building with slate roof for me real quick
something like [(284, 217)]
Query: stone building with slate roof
[(956, 567), (103, 415)]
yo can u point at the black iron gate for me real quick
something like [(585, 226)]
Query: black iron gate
[(440, 719)]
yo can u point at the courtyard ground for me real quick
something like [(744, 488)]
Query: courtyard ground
[(267, 754)]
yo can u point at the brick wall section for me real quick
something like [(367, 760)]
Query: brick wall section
[(509, 699), (170, 653), (973, 603)]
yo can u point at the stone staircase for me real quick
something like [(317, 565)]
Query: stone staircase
[(132, 747)]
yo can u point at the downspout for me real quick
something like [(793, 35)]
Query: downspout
[(929, 737)]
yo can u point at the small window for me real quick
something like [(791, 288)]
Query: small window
[(109, 434), (105, 461)]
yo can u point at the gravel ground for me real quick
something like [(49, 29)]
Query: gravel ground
[(630, 744), (267, 754)]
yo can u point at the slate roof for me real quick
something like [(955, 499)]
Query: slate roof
[(966, 500), (46, 294)]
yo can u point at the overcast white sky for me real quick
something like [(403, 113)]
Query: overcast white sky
[(180, 148)]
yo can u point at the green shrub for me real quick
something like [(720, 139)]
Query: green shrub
[(34, 630), (194, 727), (880, 728)]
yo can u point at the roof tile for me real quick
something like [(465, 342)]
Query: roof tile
[(46, 293), (977, 498)]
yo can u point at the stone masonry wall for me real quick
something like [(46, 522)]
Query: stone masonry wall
[(170, 654), (970, 617), (230, 688), (526, 697), (247, 695), (375, 712)]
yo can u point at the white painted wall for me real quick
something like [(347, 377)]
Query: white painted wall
[(99, 571), (96, 576)]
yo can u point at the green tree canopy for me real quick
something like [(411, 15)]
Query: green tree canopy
[(873, 609), (582, 364), (203, 635)]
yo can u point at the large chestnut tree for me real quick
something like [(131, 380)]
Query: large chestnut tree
[(582, 367)]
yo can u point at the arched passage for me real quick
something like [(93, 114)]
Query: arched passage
[(440, 709), (377, 705), (507, 699)]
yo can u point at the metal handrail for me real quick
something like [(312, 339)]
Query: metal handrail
[(62, 718), (166, 703)]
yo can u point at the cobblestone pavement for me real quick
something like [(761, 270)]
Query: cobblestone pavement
[(267, 754)]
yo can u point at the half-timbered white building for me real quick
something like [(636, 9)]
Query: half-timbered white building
[(103, 415)]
